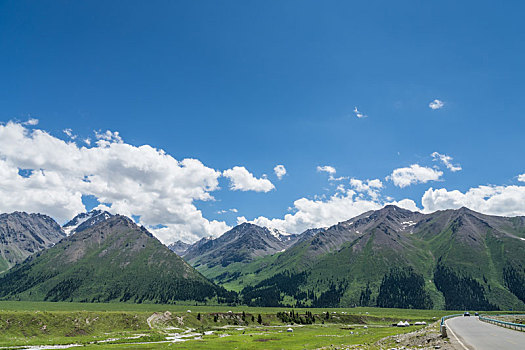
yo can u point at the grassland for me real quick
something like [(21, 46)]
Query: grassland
[(263, 337), (153, 326), (198, 307)]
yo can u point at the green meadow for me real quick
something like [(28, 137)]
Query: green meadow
[(154, 326)]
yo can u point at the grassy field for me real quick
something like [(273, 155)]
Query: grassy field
[(305, 337), (182, 307), (153, 326)]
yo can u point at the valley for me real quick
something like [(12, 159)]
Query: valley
[(108, 283), (155, 326)]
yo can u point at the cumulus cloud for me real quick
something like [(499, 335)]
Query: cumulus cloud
[(233, 210), (446, 160), (327, 169), (31, 122), (403, 177), (371, 187), (107, 137), (347, 203), (492, 200), (279, 171), (359, 114), (69, 133), (242, 180), (436, 104), (365, 195), (142, 181), (319, 213), (521, 177), (310, 213), (330, 170), (362, 186)]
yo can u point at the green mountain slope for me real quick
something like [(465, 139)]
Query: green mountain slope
[(451, 259), (114, 260)]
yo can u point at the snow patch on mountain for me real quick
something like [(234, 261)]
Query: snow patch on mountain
[(85, 220), (280, 235)]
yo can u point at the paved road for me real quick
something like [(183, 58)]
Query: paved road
[(476, 335)]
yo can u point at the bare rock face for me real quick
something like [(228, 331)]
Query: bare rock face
[(23, 234), (179, 247)]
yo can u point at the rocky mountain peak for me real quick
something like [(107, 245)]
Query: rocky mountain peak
[(179, 247), (85, 220), (242, 243), (23, 234)]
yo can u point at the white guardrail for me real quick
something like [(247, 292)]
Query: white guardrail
[(516, 326)]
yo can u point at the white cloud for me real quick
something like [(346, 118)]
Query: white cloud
[(371, 187), (31, 122), (341, 206), (330, 170), (366, 185), (242, 220), (492, 200), (447, 161), (345, 204), (140, 181), (359, 114), (327, 169), (147, 182), (319, 213), (242, 180), (403, 177), (279, 171), (406, 203), (436, 104), (233, 210), (69, 133), (107, 137)]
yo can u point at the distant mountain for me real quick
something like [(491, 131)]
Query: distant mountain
[(179, 247), (85, 220), (113, 260), (454, 259), (199, 243), (308, 234), (23, 234), (242, 244)]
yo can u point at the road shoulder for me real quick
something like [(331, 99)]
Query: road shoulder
[(426, 338)]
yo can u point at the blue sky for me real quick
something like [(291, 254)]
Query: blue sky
[(257, 84)]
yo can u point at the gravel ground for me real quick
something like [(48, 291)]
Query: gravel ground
[(426, 338)]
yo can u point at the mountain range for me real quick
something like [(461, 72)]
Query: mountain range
[(392, 257), (243, 243), (453, 259), (113, 260)]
